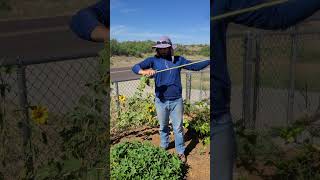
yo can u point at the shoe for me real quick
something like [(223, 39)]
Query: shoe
[(183, 158)]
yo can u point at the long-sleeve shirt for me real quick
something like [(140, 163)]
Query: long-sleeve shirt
[(168, 83), (85, 20), (277, 17)]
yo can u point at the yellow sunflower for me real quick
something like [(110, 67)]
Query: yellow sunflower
[(151, 108), (39, 114), (122, 98)]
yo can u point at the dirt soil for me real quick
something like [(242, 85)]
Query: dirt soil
[(198, 155)]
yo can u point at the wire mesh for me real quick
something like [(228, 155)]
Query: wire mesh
[(10, 134), (57, 86), (235, 64), (274, 80)]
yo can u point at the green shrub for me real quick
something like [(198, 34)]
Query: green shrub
[(281, 150), (138, 109), (130, 48), (138, 48), (205, 51), (181, 50), (199, 119), (136, 160), (303, 165)]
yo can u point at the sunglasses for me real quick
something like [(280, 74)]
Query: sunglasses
[(163, 42)]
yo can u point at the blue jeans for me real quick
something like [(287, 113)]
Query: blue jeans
[(172, 109), (222, 147)]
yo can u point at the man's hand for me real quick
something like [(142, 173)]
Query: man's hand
[(147, 72), (100, 34)]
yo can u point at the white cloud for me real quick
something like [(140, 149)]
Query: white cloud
[(152, 36), (200, 28), (144, 34), (114, 4), (128, 10), (118, 30), (124, 33)]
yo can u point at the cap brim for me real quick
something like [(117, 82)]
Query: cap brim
[(161, 46), (164, 46)]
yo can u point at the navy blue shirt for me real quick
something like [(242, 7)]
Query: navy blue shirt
[(168, 83), (85, 20), (277, 17)]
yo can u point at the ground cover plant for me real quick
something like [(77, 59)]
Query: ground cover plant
[(137, 160)]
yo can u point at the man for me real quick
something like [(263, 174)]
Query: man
[(168, 90), (277, 17), (92, 23)]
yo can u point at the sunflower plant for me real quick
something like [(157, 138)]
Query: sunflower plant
[(84, 150), (197, 118), (138, 109)]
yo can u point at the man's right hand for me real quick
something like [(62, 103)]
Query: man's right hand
[(100, 34), (147, 72)]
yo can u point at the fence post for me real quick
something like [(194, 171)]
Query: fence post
[(24, 123), (117, 95), (200, 84), (188, 86), (248, 79), (256, 78), (293, 35), (190, 79)]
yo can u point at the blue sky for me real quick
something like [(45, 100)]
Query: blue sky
[(184, 21)]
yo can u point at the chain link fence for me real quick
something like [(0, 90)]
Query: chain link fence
[(57, 86), (274, 77), (11, 138), (276, 74), (195, 86)]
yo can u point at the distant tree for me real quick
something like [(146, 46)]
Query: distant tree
[(205, 51), (181, 50), (130, 48), (138, 48)]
